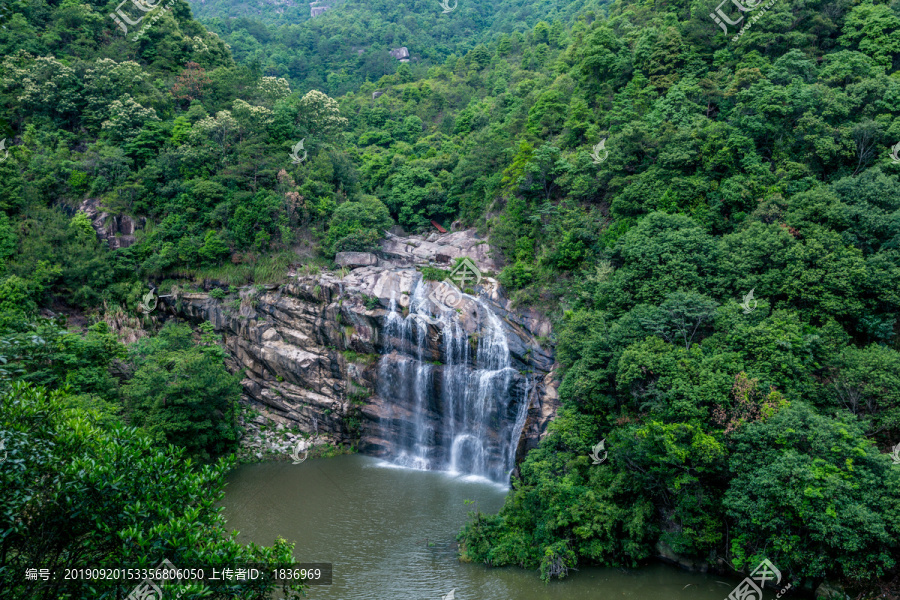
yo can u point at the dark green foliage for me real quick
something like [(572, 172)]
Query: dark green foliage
[(417, 197), (434, 274), (76, 492), (182, 394), (804, 476), (357, 226)]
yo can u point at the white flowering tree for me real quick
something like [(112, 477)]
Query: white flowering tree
[(251, 119), (272, 89), (42, 85), (318, 116), (107, 80), (126, 119)]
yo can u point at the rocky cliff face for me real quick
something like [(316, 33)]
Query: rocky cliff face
[(318, 350), (117, 230)]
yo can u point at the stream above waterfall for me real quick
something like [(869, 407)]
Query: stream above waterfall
[(371, 519)]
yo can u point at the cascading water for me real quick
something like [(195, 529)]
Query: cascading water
[(463, 415)]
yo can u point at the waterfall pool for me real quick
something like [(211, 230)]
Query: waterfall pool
[(371, 520)]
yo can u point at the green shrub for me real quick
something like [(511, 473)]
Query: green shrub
[(357, 226), (182, 394), (434, 274), (517, 276)]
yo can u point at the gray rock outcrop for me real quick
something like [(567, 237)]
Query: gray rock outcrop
[(441, 248), (356, 259), (317, 8), (401, 53), (116, 230), (312, 348)]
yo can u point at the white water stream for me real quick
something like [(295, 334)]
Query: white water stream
[(476, 417)]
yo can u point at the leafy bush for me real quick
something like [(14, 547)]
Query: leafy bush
[(357, 226), (434, 273), (73, 488), (517, 275), (182, 394)]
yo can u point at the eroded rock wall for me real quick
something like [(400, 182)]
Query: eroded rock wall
[(312, 349)]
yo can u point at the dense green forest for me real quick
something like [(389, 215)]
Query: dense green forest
[(339, 50), (759, 164)]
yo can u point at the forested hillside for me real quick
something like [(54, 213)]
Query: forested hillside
[(349, 44), (758, 164)]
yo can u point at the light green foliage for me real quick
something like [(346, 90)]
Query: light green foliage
[(318, 116), (214, 249), (434, 274), (45, 354), (20, 296), (416, 197), (873, 30), (805, 476)]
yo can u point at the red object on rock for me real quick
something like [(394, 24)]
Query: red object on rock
[(439, 228)]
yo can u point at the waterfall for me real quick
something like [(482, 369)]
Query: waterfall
[(463, 415)]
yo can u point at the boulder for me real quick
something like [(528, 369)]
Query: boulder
[(830, 591), (356, 259), (442, 248), (400, 53), (116, 230), (317, 8)]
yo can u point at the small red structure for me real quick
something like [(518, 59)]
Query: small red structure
[(439, 228)]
